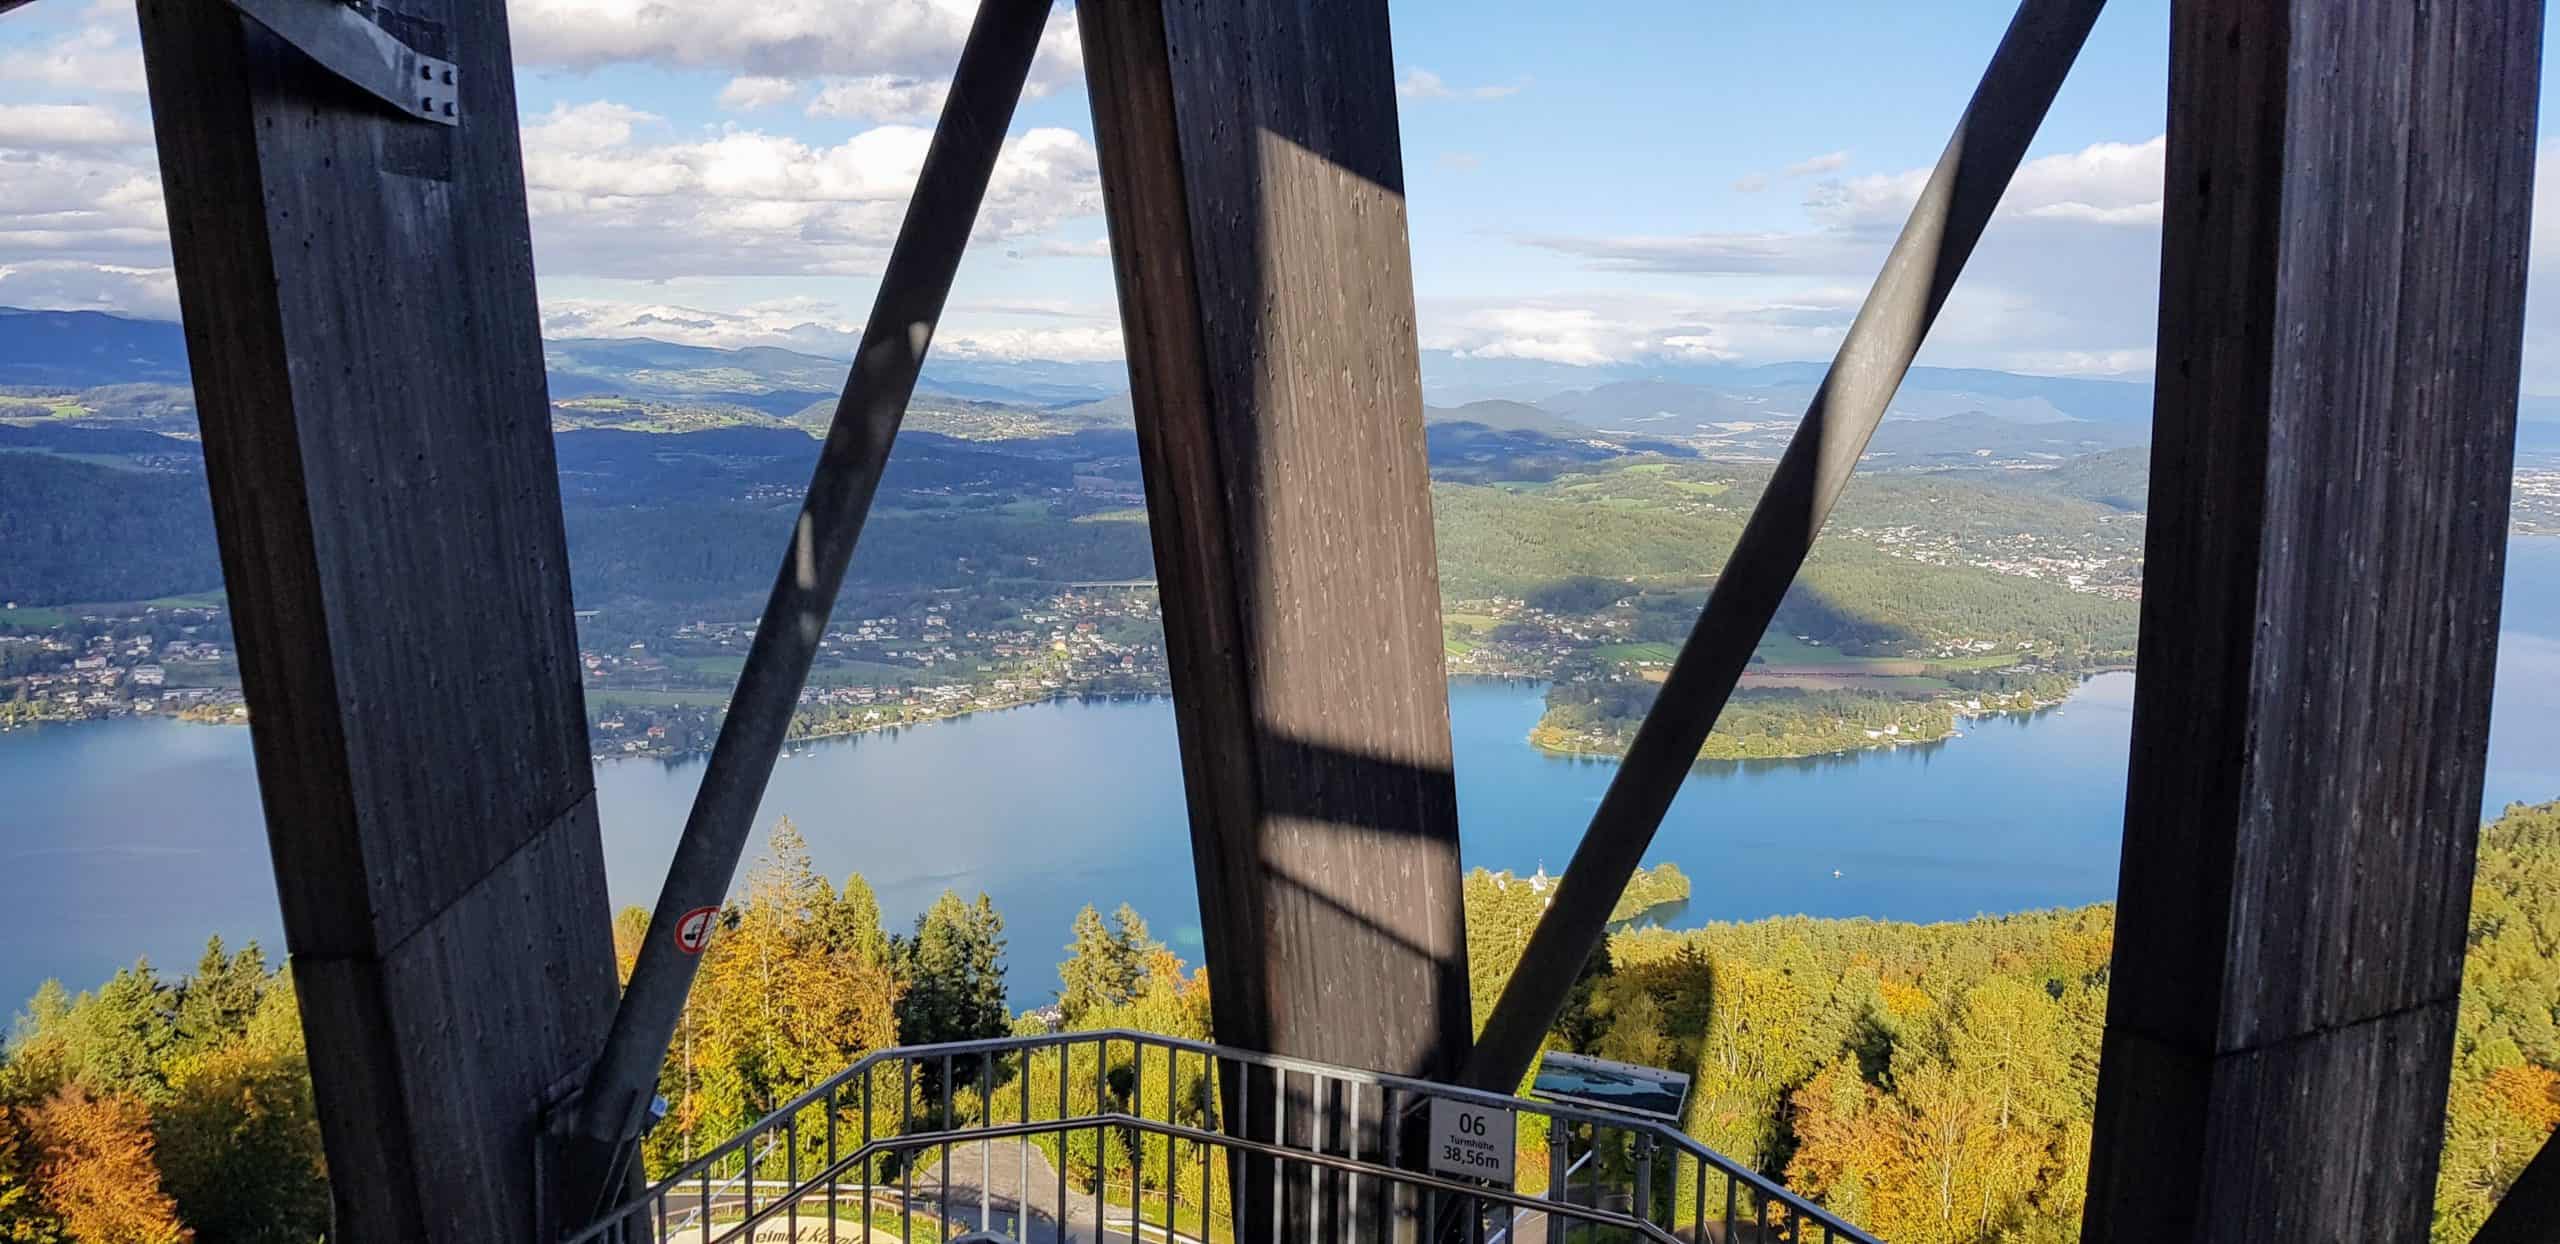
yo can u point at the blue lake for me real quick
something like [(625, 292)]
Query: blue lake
[(129, 838)]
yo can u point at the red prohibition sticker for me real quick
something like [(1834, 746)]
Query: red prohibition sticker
[(693, 931)]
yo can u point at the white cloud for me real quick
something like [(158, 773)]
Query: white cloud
[(1093, 344), (2542, 285), (1751, 183), (2128, 363), (613, 194), (55, 126), (746, 94), (1599, 327), (76, 285), (881, 97), (822, 328), (1067, 248), (1461, 161), (1424, 84), (804, 324), (95, 205), (1818, 164), (773, 38), (97, 57), (2065, 279)]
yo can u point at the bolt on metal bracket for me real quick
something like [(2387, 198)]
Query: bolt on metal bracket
[(348, 43)]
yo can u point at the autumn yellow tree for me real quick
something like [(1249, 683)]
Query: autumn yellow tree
[(98, 1172), (796, 984)]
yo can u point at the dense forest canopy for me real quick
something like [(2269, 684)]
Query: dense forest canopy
[(1932, 1083)]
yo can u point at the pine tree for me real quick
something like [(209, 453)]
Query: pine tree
[(215, 1004), (120, 1038), (955, 974), (1087, 978), (853, 924)]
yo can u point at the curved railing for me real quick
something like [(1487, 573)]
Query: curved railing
[(1328, 1153)]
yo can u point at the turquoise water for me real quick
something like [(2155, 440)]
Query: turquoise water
[(140, 837)]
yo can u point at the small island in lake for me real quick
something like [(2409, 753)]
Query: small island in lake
[(1598, 717), (1508, 895)]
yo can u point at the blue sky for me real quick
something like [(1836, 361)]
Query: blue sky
[(1673, 180)]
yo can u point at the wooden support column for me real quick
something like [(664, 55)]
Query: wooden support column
[(358, 296), (2348, 198), (1254, 183)]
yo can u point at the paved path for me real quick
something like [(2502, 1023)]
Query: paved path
[(1006, 1177)]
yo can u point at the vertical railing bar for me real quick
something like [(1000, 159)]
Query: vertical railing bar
[(1173, 1144), (1351, 1186), (870, 1160), (1279, 1140), (1643, 1152), (1208, 1124), (702, 1205), (1022, 1150), (1242, 1130), (1101, 1140), (986, 1148), (907, 1079), (942, 1229), (1066, 1063), (1137, 1138), (833, 1176), (790, 1175)]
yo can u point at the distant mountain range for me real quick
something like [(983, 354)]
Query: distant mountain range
[(1939, 412)]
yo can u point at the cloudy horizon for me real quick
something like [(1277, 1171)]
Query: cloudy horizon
[(703, 179)]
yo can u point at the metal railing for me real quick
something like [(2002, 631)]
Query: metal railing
[(1175, 1142)]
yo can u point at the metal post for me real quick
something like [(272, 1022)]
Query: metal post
[(2029, 66), (993, 66)]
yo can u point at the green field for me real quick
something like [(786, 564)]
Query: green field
[(659, 699), (722, 666), (867, 674), (36, 617), (1130, 514), (1658, 652), (1780, 648)]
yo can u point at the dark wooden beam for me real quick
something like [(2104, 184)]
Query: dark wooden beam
[(358, 296), (2530, 1211), (1253, 179), (2347, 209)]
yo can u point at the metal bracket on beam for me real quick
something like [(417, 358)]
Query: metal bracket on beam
[(348, 43)]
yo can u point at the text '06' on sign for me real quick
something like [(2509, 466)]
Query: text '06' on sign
[(1471, 1140)]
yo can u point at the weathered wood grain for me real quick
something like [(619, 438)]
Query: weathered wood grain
[(358, 298), (1253, 178), (2347, 199)]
